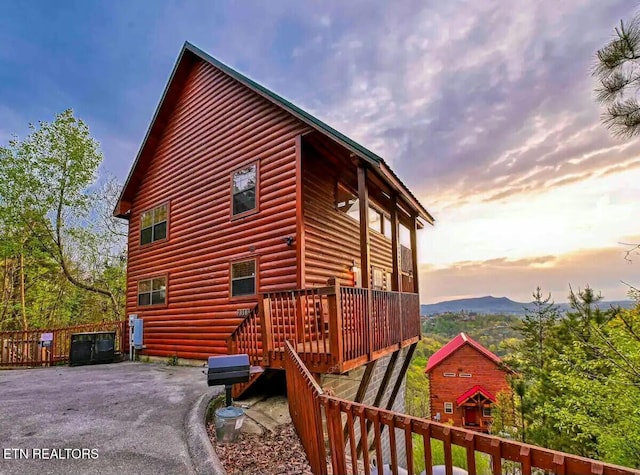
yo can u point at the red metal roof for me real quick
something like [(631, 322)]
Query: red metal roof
[(453, 346), (472, 392)]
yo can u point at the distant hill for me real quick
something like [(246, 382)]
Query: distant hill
[(496, 305)]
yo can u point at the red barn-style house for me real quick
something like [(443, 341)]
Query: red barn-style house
[(252, 223), (464, 379)]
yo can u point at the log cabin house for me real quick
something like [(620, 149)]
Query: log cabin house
[(252, 223), (464, 380)]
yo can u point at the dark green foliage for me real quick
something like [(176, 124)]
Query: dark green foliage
[(496, 332), (579, 385), (617, 70)]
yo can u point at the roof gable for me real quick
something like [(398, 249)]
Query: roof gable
[(454, 345), (188, 55), (477, 389)]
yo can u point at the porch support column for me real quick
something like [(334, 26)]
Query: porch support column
[(396, 283), (365, 252), (414, 251), (365, 244)]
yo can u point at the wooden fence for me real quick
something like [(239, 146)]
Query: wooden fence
[(46, 347), (345, 420)]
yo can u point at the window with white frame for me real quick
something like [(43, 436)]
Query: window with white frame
[(449, 375), (465, 375), (448, 408)]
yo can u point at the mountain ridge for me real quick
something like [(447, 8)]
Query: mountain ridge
[(497, 305)]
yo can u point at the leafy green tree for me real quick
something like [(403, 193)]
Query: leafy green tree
[(51, 211)]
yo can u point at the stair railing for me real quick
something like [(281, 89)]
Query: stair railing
[(247, 338)]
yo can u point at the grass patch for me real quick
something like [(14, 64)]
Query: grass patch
[(458, 454)]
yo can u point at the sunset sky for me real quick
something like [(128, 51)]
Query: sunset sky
[(485, 109)]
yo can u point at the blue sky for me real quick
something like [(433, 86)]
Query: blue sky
[(485, 109)]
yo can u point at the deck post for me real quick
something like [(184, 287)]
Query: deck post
[(264, 311), (396, 285), (335, 326), (365, 250), (414, 252)]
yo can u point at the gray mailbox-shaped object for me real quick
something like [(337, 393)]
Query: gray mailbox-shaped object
[(227, 370)]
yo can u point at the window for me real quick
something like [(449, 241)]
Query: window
[(347, 202), (375, 220), (153, 225), (243, 278), (377, 279), (386, 226), (486, 411), (243, 190), (152, 291), (357, 276), (405, 236), (448, 408), (449, 375), (465, 375)]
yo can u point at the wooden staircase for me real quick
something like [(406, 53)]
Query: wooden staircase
[(247, 338)]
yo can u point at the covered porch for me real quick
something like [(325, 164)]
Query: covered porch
[(476, 405)]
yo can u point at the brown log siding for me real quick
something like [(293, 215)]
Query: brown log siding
[(217, 126), (332, 239)]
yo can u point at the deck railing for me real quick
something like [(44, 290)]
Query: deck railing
[(29, 348), (333, 329), (394, 437), (304, 406)]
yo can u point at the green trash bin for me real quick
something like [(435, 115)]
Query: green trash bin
[(228, 424)]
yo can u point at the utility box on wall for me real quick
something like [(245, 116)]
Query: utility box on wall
[(137, 331)]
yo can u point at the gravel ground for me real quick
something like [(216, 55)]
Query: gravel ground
[(278, 453)]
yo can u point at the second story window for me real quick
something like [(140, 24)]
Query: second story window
[(153, 225), (347, 202), (243, 190)]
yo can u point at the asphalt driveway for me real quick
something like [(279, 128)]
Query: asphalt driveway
[(128, 417)]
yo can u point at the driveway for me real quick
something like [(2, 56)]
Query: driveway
[(128, 417)]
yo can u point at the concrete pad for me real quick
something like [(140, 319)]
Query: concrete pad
[(270, 412), (138, 418), (249, 426)]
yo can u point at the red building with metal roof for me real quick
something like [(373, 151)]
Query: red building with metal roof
[(464, 380)]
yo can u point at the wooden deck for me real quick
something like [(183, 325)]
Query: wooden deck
[(333, 329)]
